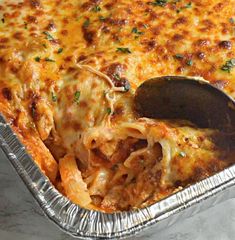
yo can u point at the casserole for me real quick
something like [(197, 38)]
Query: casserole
[(67, 92)]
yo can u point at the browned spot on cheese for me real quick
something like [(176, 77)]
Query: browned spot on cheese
[(89, 35), (18, 36), (110, 5), (4, 40), (149, 45), (225, 44), (33, 106), (116, 21), (114, 70), (64, 32), (105, 29), (83, 104), (75, 125), (31, 19), (6, 92), (220, 83), (118, 112), (51, 26), (89, 4), (218, 7), (201, 55), (81, 58), (203, 42), (35, 3), (180, 21), (178, 37)]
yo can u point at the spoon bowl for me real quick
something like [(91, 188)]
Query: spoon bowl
[(186, 98)]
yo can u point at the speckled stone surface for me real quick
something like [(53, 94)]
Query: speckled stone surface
[(22, 219)]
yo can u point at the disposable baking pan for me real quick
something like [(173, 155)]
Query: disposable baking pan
[(86, 224)]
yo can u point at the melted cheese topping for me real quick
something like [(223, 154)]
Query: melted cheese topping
[(68, 73)]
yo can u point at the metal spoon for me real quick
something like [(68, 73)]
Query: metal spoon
[(175, 97)]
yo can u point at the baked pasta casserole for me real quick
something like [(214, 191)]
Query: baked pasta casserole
[(68, 74)]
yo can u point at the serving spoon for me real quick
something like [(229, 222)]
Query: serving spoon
[(193, 99)]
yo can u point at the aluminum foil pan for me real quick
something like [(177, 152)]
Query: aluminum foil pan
[(86, 224)]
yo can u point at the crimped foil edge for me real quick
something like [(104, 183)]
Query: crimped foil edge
[(87, 224)]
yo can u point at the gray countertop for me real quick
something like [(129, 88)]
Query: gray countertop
[(22, 219)]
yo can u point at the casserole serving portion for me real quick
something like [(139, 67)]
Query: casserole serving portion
[(68, 74)]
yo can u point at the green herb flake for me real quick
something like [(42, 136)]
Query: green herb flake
[(25, 25), (182, 154), (60, 50), (232, 20), (53, 97), (127, 87), (188, 5), (78, 18), (44, 45), (123, 50), (145, 25), (136, 31), (190, 62), (37, 59), (161, 3), (117, 77), (228, 66), (86, 23), (109, 110), (105, 93), (48, 36), (96, 8), (49, 60), (77, 95), (178, 56), (101, 18)]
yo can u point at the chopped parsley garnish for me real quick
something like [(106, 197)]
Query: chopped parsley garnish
[(123, 50), (145, 25), (77, 96), (161, 3), (96, 8), (188, 5), (232, 20), (37, 59), (182, 154), (60, 50), (44, 45), (117, 77), (53, 97), (105, 92), (136, 31), (49, 60), (178, 56), (109, 110), (3, 20), (228, 66), (25, 25), (190, 62), (86, 23), (127, 86), (78, 18), (48, 36), (101, 18)]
